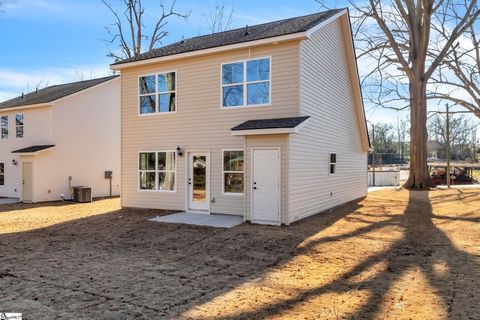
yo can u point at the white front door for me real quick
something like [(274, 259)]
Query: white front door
[(198, 181), (266, 186), (27, 179)]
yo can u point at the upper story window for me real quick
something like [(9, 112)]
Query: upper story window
[(19, 125), (157, 93), (4, 127), (246, 83), (2, 174)]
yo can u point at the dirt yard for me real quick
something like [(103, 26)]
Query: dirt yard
[(394, 255)]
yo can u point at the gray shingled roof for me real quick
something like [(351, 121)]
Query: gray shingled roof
[(52, 93), (278, 123), (33, 149), (257, 32)]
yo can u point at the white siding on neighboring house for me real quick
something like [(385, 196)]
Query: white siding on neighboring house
[(199, 123), (326, 94), (37, 131), (86, 131)]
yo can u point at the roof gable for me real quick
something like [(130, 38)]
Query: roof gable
[(52, 93), (236, 36)]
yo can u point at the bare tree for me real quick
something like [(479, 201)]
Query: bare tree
[(219, 18), (33, 86), (401, 132), (462, 131), (397, 36), (457, 79), (129, 30)]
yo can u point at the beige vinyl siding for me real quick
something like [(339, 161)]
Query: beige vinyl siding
[(199, 123), (268, 141), (334, 126)]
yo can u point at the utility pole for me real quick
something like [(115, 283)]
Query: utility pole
[(373, 153), (448, 145), (474, 153)]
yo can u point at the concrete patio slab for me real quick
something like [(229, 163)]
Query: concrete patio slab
[(198, 219)]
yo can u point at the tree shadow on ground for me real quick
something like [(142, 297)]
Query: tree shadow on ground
[(119, 265), (452, 274)]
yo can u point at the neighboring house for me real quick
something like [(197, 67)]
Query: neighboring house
[(266, 122), (58, 137)]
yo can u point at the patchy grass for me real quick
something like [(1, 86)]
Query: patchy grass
[(394, 255)]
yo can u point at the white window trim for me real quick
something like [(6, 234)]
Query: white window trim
[(17, 126), (156, 190), (330, 163), (1, 127), (3, 174), (245, 84), (223, 174), (157, 102)]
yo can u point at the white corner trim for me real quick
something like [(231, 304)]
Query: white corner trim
[(274, 40), (325, 22)]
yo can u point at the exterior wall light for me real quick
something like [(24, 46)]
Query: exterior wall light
[(179, 151), (14, 162)]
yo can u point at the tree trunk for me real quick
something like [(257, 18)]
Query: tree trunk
[(419, 178)]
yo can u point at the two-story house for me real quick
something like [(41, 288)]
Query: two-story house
[(265, 122), (59, 137)]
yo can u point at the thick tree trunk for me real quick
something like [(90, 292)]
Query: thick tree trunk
[(419, 178)]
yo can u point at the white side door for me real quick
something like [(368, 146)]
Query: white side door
[(198, 181), (266, 186), (27, 182)]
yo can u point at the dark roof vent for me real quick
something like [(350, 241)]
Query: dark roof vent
[(36, 90), (247, 32), (22, 95)]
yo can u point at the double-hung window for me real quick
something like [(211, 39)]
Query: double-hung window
[(246, 83), (157, 171), (157, 93), (19, 125), (333, 163), (233, 171), (2, 174), (4, 127)]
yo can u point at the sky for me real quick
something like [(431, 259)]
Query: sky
[(57, 41)]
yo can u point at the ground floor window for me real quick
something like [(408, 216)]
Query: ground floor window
[(233, 171), (333, 163), (2, 174), (157, 171)]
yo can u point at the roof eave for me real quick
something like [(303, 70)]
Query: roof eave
[(53, 102), (320, 25), (272, 40), (27, 106)]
